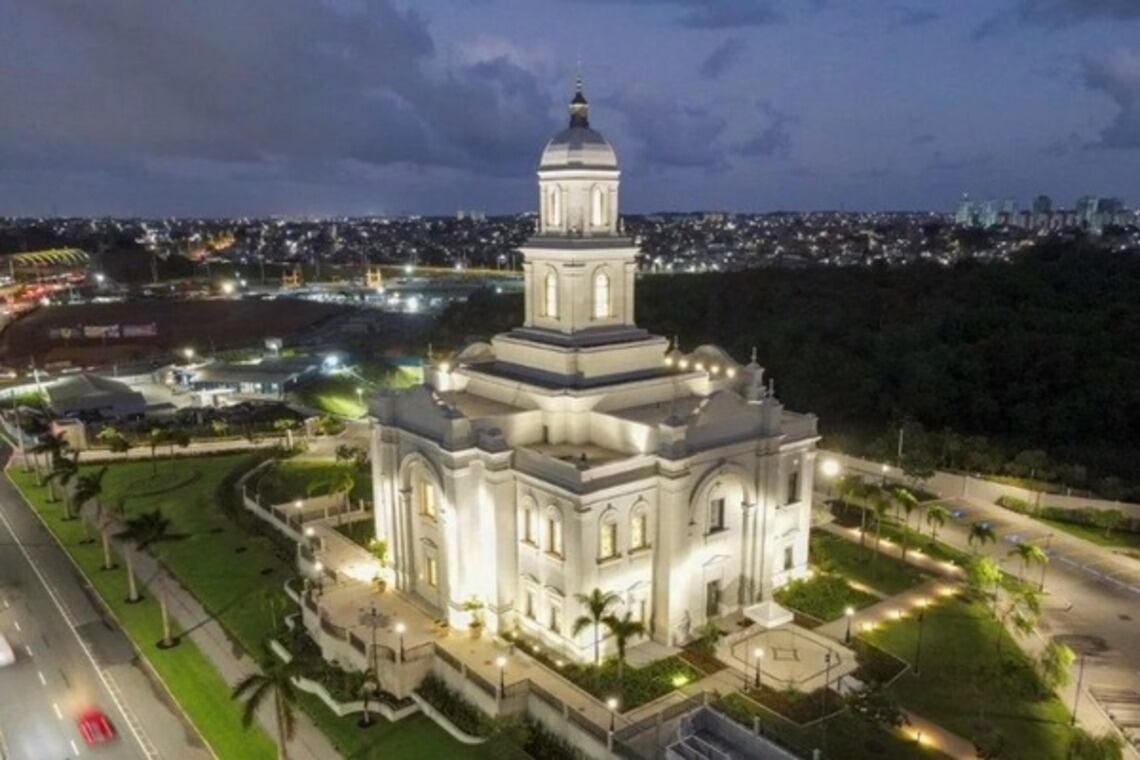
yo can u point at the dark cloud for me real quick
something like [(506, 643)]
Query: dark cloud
[(940, 162), (723, 57), (272, 82), (669, 135), (1056, 14), (775, 138), (1118, 76), (716, 14)]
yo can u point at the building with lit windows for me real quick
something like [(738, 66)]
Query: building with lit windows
[(579, 452)]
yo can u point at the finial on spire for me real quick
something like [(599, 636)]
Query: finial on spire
[(579, 108)]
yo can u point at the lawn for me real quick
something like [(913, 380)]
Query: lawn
[(335, 394), (824, 596), (845, 736), (1118, 539), (885, 574), (291, 479), (238, 577), (964, 685)]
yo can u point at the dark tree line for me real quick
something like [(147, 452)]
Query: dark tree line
[(1042, 353)]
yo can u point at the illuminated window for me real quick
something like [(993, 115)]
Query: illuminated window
[(597, 207), (433, 572), (639, 531), (601, 295), (428, 506), (716, 515), (554, 534), (550, 301), (607, 540)]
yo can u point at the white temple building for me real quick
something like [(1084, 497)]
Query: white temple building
[(578, 451)]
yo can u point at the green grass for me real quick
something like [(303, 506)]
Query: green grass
[(824, 596), (885, 574), (196, 685), (244, 590), (335, 394), (962, 672), (1118, 539), (847, 736), (290, 479)]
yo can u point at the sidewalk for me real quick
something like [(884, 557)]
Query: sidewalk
[(308, 743), (889, 609)]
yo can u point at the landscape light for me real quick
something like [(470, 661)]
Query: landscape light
[(730, 372), (228, 287), (444, 367), (408, 269), (188, 352), (829, 468)]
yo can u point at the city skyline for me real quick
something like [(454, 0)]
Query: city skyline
[(373, 107)]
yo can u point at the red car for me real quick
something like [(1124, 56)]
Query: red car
[(96, 727)]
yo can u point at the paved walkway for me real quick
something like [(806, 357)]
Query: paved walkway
[(308, 743), (891, 608)]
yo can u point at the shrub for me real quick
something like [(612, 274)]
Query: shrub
[(466, 716), (541, 743), (1014, 504)]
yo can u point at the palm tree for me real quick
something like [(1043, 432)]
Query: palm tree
[(852, 487), (882, 505), (220, 427), (1029, 554), (1020, 609), (623, 629), (105, 517), (51, 447), (981, 533), (1085, 746), (596, 603), (64, 470), (143, 531), (286, 425), (274, 679), (156, 438), (905, 500), (936, 517), (176, 437), (88, 487)]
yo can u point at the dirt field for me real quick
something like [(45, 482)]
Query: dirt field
[(205, 325)]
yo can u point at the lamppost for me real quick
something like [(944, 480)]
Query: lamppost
[(612, 704), (918, 644), (826, 677), (1045, 564), (849, 613), (758, 653), (883, 480), (829, 469), (400, 628), (1077, 695), (373, 620), (502, 663)]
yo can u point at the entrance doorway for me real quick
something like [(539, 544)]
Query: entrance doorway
[(712, 599)]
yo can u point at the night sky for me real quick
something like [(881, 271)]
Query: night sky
[(330, 107)]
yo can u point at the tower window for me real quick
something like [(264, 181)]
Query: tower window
[(601, 295), (607, 540), (716, 515), (597, 207), (550, 300), (554, 207)]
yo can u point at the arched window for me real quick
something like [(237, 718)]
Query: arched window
[(429, 506), (608, 537), (639, 528), (554, 208), (601, 295), (528, 518), (554, 531), (550, 300), (597, 206)]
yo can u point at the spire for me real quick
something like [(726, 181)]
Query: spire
[(579, 108)]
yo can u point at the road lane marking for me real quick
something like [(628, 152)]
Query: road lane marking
[(74, 748), (109, 683), (58, 712), (43, 681), (16, 625)]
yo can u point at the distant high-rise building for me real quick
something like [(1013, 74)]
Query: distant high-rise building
[(1042, 204)]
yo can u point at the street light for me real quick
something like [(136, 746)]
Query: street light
[(826, 678), (884, 470), (502, 663), (1077, 695), (612, 703), (188, 352), (400, 628), (758, 655), (829, 469), (850, 613)]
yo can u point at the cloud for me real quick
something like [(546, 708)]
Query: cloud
[(911, 17), (722, 58), (1117, 76), (1056, 14), (940, 162), (668, 135), (775, 139), (716, 14), (924, 139), (275, 82)]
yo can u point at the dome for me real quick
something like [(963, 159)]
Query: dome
[(578, 146)]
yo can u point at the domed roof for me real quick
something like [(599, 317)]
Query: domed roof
[(578, 146)]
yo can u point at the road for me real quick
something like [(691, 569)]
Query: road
[(69, 657), (1092, 602)]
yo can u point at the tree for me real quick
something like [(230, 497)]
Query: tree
[(1108, 519), (981, 533), (1032, 463), (623, 629), (89, 487), (176, 437), (936, 517), (1018, 608), (1054, 663), (143, 531), (983, 576), (852, 488), (105, 517), (1029, 554), (882, 505), (157, 437), (908, 502), (274, 681), (51, 447), (219, 427), (596, 603), (285, 426), (1085, 746), (64, 470)]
